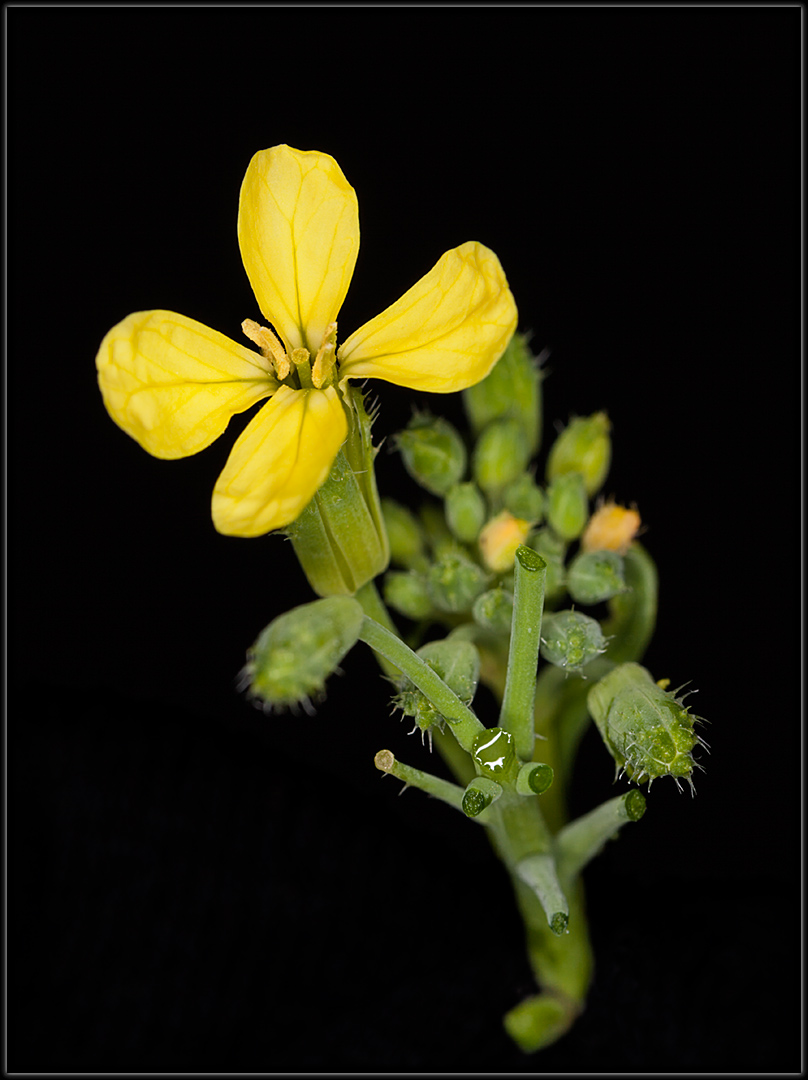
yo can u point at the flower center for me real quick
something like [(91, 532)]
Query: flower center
[(296, 369)]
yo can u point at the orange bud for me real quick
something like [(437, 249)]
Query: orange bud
[(611, 528)]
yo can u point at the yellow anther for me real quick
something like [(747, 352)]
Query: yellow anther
[(323, 363), (269, 345)]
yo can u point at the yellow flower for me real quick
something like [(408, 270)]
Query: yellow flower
[(173, 383)]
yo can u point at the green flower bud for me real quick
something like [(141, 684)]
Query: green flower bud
[(570, 640), (501, 454), (406, 591), (479, 795), (525, 499), (534, 778), (647, 730), (512, 390), (553, 550), (495, 756), (583, 446), (293, 656), (567, 506), (454, 582), (493, 610), (433, 452), (457, 662), (465, 511), (593, 576), (406, 536)]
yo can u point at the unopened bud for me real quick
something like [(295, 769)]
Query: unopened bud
[(512, 390), (567, 506), (583, 446), (406, 591), (465, 511), (570, 640), (500, 538), (500, 455), (593, 576), (404, 533), (454, 582), (293, 656), (611, 528), (647, 730), (525, 499), (455, 661), (494, 610), (433, 453)]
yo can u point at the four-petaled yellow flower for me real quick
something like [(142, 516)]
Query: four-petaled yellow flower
[(173, 383)]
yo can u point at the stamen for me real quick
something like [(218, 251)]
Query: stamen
[(326, 356), (323, 364), (269, 345)]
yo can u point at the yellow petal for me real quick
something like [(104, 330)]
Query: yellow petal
[(173, 383), (279, 461), (298, 229), (445, 333)]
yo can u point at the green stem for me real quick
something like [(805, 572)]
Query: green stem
[(540, 874), (444, 790), (516, 716), (376, 609), (463, 723), (580, 841)]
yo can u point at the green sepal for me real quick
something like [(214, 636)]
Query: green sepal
[(340, 538)]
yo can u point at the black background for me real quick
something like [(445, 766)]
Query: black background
[(194, 886)]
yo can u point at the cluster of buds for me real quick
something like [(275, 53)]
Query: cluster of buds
[(454, 563)]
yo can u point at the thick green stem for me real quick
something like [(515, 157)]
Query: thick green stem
[(516, 716)]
